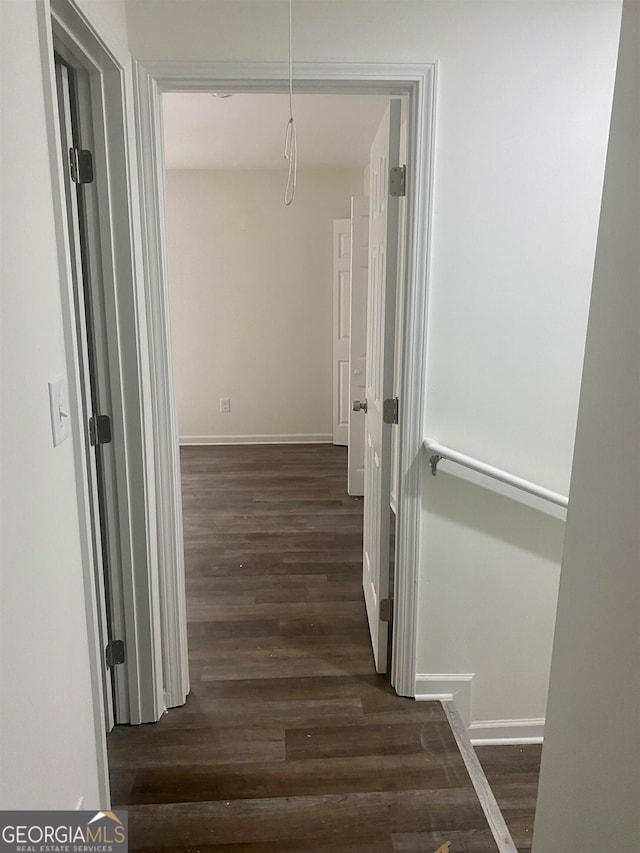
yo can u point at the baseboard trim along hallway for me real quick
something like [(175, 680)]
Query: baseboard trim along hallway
[(457, 688), (506, 732)]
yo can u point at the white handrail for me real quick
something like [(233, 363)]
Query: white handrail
[(440, 451)]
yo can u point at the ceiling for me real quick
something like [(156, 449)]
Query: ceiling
[(203, 131)]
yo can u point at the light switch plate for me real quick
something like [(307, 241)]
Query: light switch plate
[(59, 409)]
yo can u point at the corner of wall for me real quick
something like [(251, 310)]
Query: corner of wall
[(451, 687), (458, 689)]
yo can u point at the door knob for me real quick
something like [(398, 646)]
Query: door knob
[(360, 406)]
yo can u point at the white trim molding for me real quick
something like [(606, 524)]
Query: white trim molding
[(290, 438), (132, 577), (444, 687), (420, 147), (502, 732), (168, 491), (417, 83), (457, 688)]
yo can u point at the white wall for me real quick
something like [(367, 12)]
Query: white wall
[(523, 106), (108, 17), (488, 591), (515, 219), (523, 100), (48, 755), (251, 301), (524, 94), (590, 781)]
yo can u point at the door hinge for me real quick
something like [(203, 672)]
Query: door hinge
[(114, 653), (386, 610), (390, 410), (398, 181), (99, 429), (81, 162)]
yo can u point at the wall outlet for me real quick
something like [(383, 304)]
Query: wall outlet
[(225, 405)]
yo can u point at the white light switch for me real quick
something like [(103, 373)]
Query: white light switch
[(59, 406)]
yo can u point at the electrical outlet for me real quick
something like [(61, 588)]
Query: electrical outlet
[(225, 405)]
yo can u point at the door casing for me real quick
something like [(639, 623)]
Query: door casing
[(418, 84), (108, 67), (140, 695)]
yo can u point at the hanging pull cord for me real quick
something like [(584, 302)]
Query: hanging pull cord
[(291, 155), (290, 140)]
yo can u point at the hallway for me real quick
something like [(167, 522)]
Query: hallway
[(289, 740)]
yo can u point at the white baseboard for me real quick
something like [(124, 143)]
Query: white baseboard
[(457, 688), (445, 687), (499, 732), (289, 438)]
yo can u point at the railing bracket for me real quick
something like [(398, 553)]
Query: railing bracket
[(433, 461)]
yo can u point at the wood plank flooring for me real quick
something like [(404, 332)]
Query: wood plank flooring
[(289, 740), (513, 772)]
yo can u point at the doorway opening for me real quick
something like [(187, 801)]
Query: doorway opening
[(269, 339), (417, 84)]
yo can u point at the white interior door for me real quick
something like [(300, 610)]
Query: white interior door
[(358, 339), (341, 323), (383, 254)]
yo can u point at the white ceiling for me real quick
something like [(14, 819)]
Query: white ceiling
[(202, 131)]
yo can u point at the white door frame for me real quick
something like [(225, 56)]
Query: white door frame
[(139, 691), (110, 72), (418, 83)]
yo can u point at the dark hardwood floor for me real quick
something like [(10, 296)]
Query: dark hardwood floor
[(289, 740), (513, 772)]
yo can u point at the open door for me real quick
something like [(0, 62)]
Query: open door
[(381, 309), (341, 323), (358, 339)]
